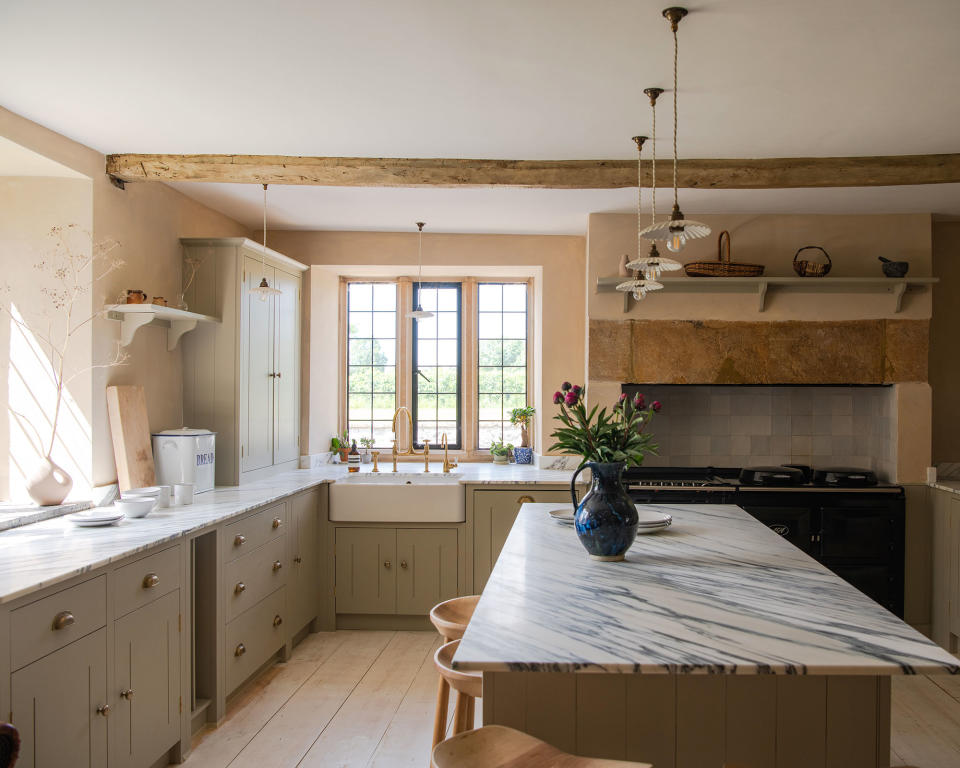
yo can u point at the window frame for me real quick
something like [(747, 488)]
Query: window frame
[(468, 357)]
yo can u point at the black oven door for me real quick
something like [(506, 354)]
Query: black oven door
[(861, 533), (794, 523)]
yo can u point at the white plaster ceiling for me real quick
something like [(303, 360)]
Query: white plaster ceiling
[(548, 79)]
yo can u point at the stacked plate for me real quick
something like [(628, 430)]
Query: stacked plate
[(650, 520), (92, 518)]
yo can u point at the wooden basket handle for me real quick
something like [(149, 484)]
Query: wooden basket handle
[(813, 248), (723, 254)]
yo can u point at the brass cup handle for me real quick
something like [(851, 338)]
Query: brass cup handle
[(525, 499), (240, 650), (63, 620), (104, 709), (239, 539), (277, 621), (241, 587), (277, 565), (387, 563), (276, 522), (403, 563), (126, 693), (150, 580)]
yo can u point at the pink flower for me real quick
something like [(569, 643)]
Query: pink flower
[(639, 401), (623, 396), (656, 405), (565, 386), (571, 399), (557, 398), (576, 389)]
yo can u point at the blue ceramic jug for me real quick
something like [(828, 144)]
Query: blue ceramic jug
[(606, 519)]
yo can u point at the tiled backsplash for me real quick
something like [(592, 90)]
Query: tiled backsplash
[(735, 426)]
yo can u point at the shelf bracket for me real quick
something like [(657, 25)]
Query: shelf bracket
[(761, 296), (898, 290), (177, 329), (130, 324)]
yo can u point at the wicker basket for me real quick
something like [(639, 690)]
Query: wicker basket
[(811, 268), (722, 267)]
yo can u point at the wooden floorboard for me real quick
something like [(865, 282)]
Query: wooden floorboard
[(355, 699)]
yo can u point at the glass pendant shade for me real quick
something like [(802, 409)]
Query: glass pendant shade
[(264, 291), (675, 232), (639, 287), (653, 264)]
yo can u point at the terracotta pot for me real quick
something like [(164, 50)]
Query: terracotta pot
[(343, 455), (49, 484)]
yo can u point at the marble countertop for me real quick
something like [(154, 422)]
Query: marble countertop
[(951, 486), (44, 553), (13, 516), (717, 592)]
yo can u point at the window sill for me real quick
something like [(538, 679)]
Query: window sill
[(16, 515)]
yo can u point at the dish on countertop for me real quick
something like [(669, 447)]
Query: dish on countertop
[(98, 516), (649, 520)]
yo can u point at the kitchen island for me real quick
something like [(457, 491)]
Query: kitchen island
[(716, 642)]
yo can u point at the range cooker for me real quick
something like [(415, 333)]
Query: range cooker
[(856, 532)]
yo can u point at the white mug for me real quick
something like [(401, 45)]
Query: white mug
[(183, 494), (164, 496)]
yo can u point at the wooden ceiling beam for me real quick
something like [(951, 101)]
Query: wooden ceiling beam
[(764, 173)]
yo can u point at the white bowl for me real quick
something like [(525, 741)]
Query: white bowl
[(150, 490), (136, 507)]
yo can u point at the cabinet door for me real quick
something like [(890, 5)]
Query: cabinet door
[(55, 706), (493, 515), (954, 573), (145, 721), (304, 585), (944, 568), (366, 570), (428, 568), (256, 370), (286, 436)]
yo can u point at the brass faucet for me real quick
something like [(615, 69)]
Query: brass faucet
[(409, 451), (376, 461), (426, 455), (394, 455), (447, 464)]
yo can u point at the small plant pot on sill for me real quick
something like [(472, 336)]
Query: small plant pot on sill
[(501, 459), (523, 455)]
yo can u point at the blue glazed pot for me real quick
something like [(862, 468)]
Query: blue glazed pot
[(606, 518), (523, 455)]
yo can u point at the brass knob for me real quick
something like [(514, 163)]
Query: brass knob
[(386, 563), (63, 620), (239, 539), (104, 709), (277, 621), (276, 522), (126, 693), (150, 580), (403, 563), (277, 565), (298, 560), (525, 500), (240, 650), (240, 587)]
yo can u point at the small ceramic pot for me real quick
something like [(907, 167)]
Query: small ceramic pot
[(136, 297), (501, 459), (523, 455)]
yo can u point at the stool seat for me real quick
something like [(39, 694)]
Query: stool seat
[(467, 683), (452, 616), (495, 746)]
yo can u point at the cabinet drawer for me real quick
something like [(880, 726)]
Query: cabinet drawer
[(48, 624), (147, 579), (253, 638), (248, 579), (256, 529)]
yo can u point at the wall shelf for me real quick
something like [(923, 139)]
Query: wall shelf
[(760, 286), (133, 317)]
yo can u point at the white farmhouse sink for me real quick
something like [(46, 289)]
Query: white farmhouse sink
[(398, 497)]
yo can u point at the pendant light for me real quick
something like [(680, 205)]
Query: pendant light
[(264, 290), (653, 264), (639, 286), (678, 230), (419, 313)]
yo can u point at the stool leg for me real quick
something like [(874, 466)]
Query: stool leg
[(440, 718), (471, 714), (460, 722)]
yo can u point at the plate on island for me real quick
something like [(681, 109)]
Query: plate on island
[(563, 515), (649, 521), (95, 517)]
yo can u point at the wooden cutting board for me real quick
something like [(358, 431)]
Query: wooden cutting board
[(130, 429)]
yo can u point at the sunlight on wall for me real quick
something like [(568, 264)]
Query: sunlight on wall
[(32, 398)]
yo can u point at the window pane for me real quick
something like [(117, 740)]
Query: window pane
[(502, 357), (382, 434), (371, 355), (436, 353)]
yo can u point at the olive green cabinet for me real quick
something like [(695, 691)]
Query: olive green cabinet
[(494, 513), (304, 540), (60, 706), (394, 571), (145, 721), (946, 569)]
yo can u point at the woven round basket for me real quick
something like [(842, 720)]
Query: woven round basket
[(722, 267), (811, 268)]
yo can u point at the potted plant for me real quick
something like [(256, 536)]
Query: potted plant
[(607, 442), (522, 417), (340, 445), (500, 451), (366, 443)]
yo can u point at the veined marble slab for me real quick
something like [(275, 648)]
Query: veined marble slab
[(952, 486), (717, 592), (13, 516)]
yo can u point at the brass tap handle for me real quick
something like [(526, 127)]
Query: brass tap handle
[(394, 455), (63, 620), (376, 461), (150, 580), (426, 455)]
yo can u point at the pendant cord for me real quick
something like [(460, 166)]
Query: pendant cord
[(639, 195), (653, 197), (263, 256), (676, 57)]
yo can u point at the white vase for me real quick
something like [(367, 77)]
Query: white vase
[(49, 483)]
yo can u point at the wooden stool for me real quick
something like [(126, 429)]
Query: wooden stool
[(494, 746), (469, 688), (452, 616)]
